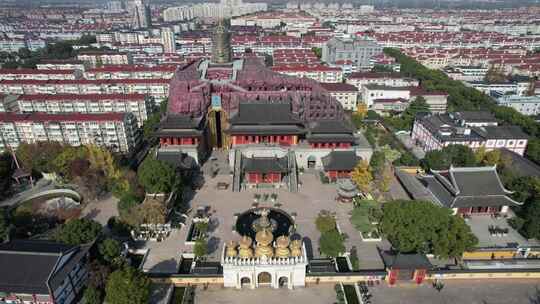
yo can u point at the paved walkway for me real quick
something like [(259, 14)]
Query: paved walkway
[(498, 291), (323, 293), (101, 210)]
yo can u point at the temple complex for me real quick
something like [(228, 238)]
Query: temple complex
[(270, 124)]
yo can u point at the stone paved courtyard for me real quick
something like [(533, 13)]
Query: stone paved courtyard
[(323, 293), (460, 291), (312, 197)]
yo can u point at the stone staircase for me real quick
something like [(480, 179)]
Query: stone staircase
[(237, 172), (293, 172)]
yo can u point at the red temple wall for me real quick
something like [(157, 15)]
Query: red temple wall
[(257, 178)]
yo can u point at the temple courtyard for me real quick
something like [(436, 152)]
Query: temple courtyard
[(304, 206)]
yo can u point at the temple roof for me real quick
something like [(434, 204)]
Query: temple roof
[(468, 187), (331, 126), (405, 260), (264, 113), (340, 161), (265, 164)]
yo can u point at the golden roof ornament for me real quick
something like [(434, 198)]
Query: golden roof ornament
[(296, 248), (245, 250), (264, 240), (264, 237), (231, 249), (282, 243)]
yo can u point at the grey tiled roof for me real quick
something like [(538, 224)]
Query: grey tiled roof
[(265, 164), (468, 187), (264, 113), (405, 260), (340, 161)]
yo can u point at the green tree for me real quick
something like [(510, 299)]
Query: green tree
[(39, 156), (127, 286), (4, 224), (92, 296), (418, 105), (331, 243), (456, 155), (110, 250), (531, 225), (414, 226), (78, 231), (325, 222), (200, 249), (6, 171), (156, 176), (317, 51), (377, 161)]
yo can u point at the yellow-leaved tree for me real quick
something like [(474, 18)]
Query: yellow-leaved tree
[(362, 176)]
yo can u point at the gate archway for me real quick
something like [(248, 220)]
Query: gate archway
[(264, 278)]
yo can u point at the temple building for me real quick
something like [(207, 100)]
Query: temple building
[(267, 262), (467, 191), (270, 124)]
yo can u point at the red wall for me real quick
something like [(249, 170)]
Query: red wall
[(331, 145), (285, 140), (334, 175), (256, 178), (165, 141)]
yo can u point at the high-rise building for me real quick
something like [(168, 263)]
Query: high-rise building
[(357, 50), (221, 48), (142, 17), (168, 40)]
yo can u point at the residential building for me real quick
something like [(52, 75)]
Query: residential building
[(526, 105), (99, 58), (466, 73), (346, 94), (472, 129), (116, 131), (360, 79), (168, 40), (33, 74), (317, 72), (358, 50), (142, 17), (35, 271), (139, 105), (373, 92)]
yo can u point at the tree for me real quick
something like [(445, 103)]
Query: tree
[(325, 222), (456, 155), (492, 158), (156, 176), (200, 249), (78, 231), (362, 176), (110, 250), (92, 296), (332, 243), (415, 226), (4, 224), (127, 286), (377, 161), (317, 51), (39, 156), (390, 155), (361, 110), (418, 105), (385, 177), (6, 171), (495, 75)]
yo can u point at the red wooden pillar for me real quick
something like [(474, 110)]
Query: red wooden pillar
[(392, 276), (419, 275)]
